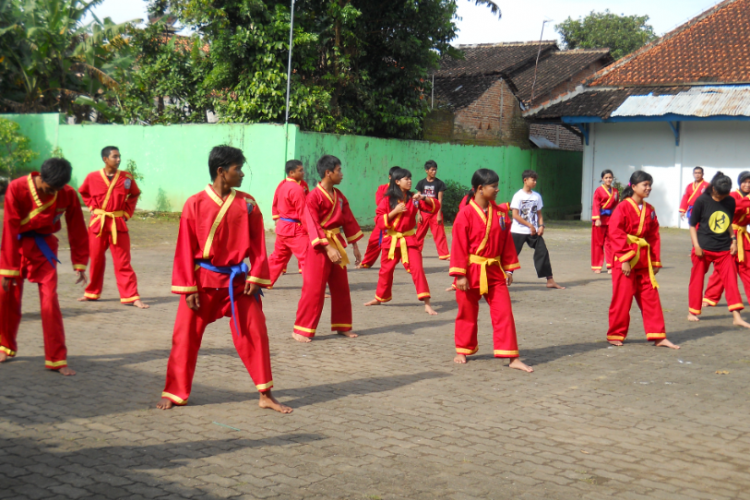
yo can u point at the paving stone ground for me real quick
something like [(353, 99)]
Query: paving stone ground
[(387, 415)]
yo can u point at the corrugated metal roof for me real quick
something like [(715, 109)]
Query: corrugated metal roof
[(724, 100)]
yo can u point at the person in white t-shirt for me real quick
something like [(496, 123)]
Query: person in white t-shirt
[(528, 226)]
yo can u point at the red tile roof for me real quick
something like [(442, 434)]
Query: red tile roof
[(712, 48), (492, 58)]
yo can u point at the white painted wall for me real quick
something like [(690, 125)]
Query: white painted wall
[(626, 147)]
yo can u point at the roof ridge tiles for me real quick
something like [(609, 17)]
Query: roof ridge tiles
[(505, 44)]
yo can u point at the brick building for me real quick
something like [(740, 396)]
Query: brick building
[(480, 99)]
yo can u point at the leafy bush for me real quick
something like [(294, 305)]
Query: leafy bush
[(15, 150), (454, 193), (132, 169)]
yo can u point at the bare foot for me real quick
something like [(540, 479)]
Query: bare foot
[(373, 302), (707, 304), (609, 271), (693, 317), (140, 305), (3, 357), (301, 338), (517, 364), (85, 299), (616, 343), (268, 401), (552, 284), (460, 359), (738, 321), (429, 310), (350, 335), (66, 371), (328, 296), (597, 271), (667, 343), (165, 404)]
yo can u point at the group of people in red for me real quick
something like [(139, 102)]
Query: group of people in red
[(625, 235)]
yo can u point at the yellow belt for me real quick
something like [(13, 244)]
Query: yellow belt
[(741, 235), (484, 262), (103, 217), (399, 239), (642, 243), (333, 240)]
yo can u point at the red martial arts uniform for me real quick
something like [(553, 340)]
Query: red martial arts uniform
[(112, 203), (324, 216), (400, 243), (483, 251), (28, 246), (634, 233), (376, 237), (291, 238), (604, 204), (692, 192), (739, 224), (220, 233)]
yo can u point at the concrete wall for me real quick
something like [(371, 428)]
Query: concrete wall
[(173, 160), (626, 147)]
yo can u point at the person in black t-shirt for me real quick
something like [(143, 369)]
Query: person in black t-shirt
[(714, 242), (432, 187)]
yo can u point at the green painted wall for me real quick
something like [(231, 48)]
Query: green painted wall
[(173, 160)]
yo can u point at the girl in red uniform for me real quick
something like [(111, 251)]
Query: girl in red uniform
[(606, 199), (634, 231), (398, 211), (483, 259), (742, 257)]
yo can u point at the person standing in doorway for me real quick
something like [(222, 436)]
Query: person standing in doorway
[(528, 226), (432, 187)]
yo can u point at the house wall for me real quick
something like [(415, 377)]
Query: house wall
[(626, 147), (557, 134)]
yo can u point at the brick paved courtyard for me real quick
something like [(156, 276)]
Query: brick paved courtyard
[(387, 415)]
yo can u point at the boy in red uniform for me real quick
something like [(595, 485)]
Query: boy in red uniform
[(326, 213), (606, 199), (111, 195), (219, 228), (714, 242), (376, 237), (636, 245), (288, 211), (742, 258), (34, 206), (398, 211), (432, 187), (483, 259), (692, 192)]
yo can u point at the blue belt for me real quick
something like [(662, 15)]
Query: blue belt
[(689, 211), (232, 271), (380, 238), (606, 212), (41, 243), (290, 220)]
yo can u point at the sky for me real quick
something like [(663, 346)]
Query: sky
[(521, 21)]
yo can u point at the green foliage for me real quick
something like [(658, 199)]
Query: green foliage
[(15, 152), (132, 169), (162, 202), (452, 196), (57, 153), (621, 34)]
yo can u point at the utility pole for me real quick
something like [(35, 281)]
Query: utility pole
[(288, 84), (537, 60)]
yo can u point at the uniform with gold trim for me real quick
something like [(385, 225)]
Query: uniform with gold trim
[(400, 244), (288, 211), (112, 203), (324, 216), (713, 221), (222, 233), (692, 192), (634, 232), (715, 287), (483, 251), (28, 217), (374, 243), (605, 202)]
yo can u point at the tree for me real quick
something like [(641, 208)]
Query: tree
[(621, 34), (15, 152)]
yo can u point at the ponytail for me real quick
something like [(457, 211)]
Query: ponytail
[(637, 177), (721, 184), (470, 195)]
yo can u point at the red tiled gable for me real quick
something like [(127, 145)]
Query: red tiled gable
[(712, 48)]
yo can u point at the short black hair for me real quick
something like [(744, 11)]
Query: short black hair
[(106, 151), (721, 184), (327, 163), (430, 164), (529, 174), (292, 165), (56, 172), (224, 156), (698, 168), (607, 171)]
